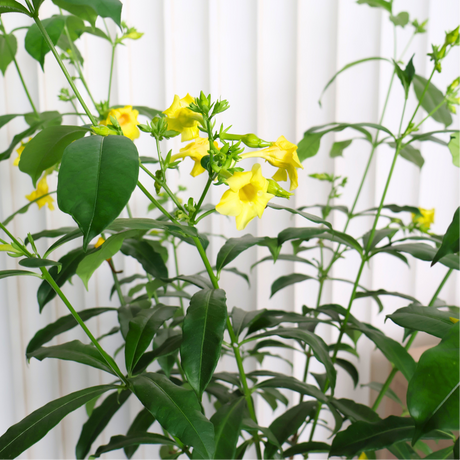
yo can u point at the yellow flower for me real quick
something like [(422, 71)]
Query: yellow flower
[(363, 456), (425, 220), (453, 320), (42, 189), (99, 242), (20, 150), (247, 197), (196, 151), (283, 155), (127, 118), (182, 119)]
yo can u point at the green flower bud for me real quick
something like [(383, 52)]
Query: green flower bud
[(101, 130), (275, 189)]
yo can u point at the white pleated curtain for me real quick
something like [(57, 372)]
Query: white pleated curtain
[(270, 59)]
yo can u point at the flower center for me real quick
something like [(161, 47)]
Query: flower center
[(248, 193), (124, 119)]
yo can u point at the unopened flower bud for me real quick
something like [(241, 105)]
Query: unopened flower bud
[(275, 189), (452, 37)]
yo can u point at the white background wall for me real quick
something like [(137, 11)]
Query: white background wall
[(270, 59)]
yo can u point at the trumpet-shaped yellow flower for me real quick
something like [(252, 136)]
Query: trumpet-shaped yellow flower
[(196, 151), (425, 220), (182, 119), (247, 197), (283, 155), (99, 242), (42, 189), (19, 150), (127, 118)]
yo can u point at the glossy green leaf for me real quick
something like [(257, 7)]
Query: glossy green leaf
[(306, 448), (401, 19), (306, 215), (442, 454), (402, 450), (433, 97), (386, 5), (309, 145), (16, 139), (203, 332), (242, 319), (93, 261), (433, 392), (98, 420), (64, 324), (34, 42), (376, 386), (287, 280), (47, 119), (69, 264), (9, 273), (34, 427), (142, 328), (177, 410), (354, 411), (11, 6), (34, 262), (426, 319), (144, 419), (4, 119), (96, 179), (145, 254), (133, 441), (378, 236), (348, 66), (50, 233), (338, 148), (364, 436), (405, 76), (8, 49), (349, 368), (454, 147), (73, 351), (233, 247), (288, 423), (451, 240), (379, 292), (46, 149), (104, 8), (456, 448)]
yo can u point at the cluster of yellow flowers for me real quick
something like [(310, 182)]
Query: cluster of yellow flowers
[(248, 194), (424, 221)]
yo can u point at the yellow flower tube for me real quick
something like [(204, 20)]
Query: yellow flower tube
[(196, 151)]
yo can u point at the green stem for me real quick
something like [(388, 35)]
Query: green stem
[(394, 371), (114, 45), (202, 197), (2, 28), (234, 340), (205, 214), (64, 69), (402, 118), (176, 264), (430, 114), (155, 202), (106, 357)]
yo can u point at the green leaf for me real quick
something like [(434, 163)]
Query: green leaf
[(379, 292), (73, 351), (177, 410), (433, 97), (64, 324), (454, 147), (8, 273), (46, 149), (46, 119), (233, 247), (7, 53), (34, 42), (350, 369), (4, 119), (144, 419), (306, 215), (378, 236), (93, 261), (386, 5), (227, 422), (69, 264), (33, 262), (309, 146), (242, 319), (433, 392), (364, 436), (338, 148), (351, 64), (145, 254), (141, 331), (87, 13), (405, 76), (411, 154), (203, 332), (289, 423), (426, 319), (96, 179), (34, 427), (288, 280), (441, 454), (133, 441), (456, 448), (65, 239), (376, 386), (354, 411), (104, 8), (401, 19), (451, 240), (306, 448), (11, 6), (37, 4), (16, 139), (98, 420)]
